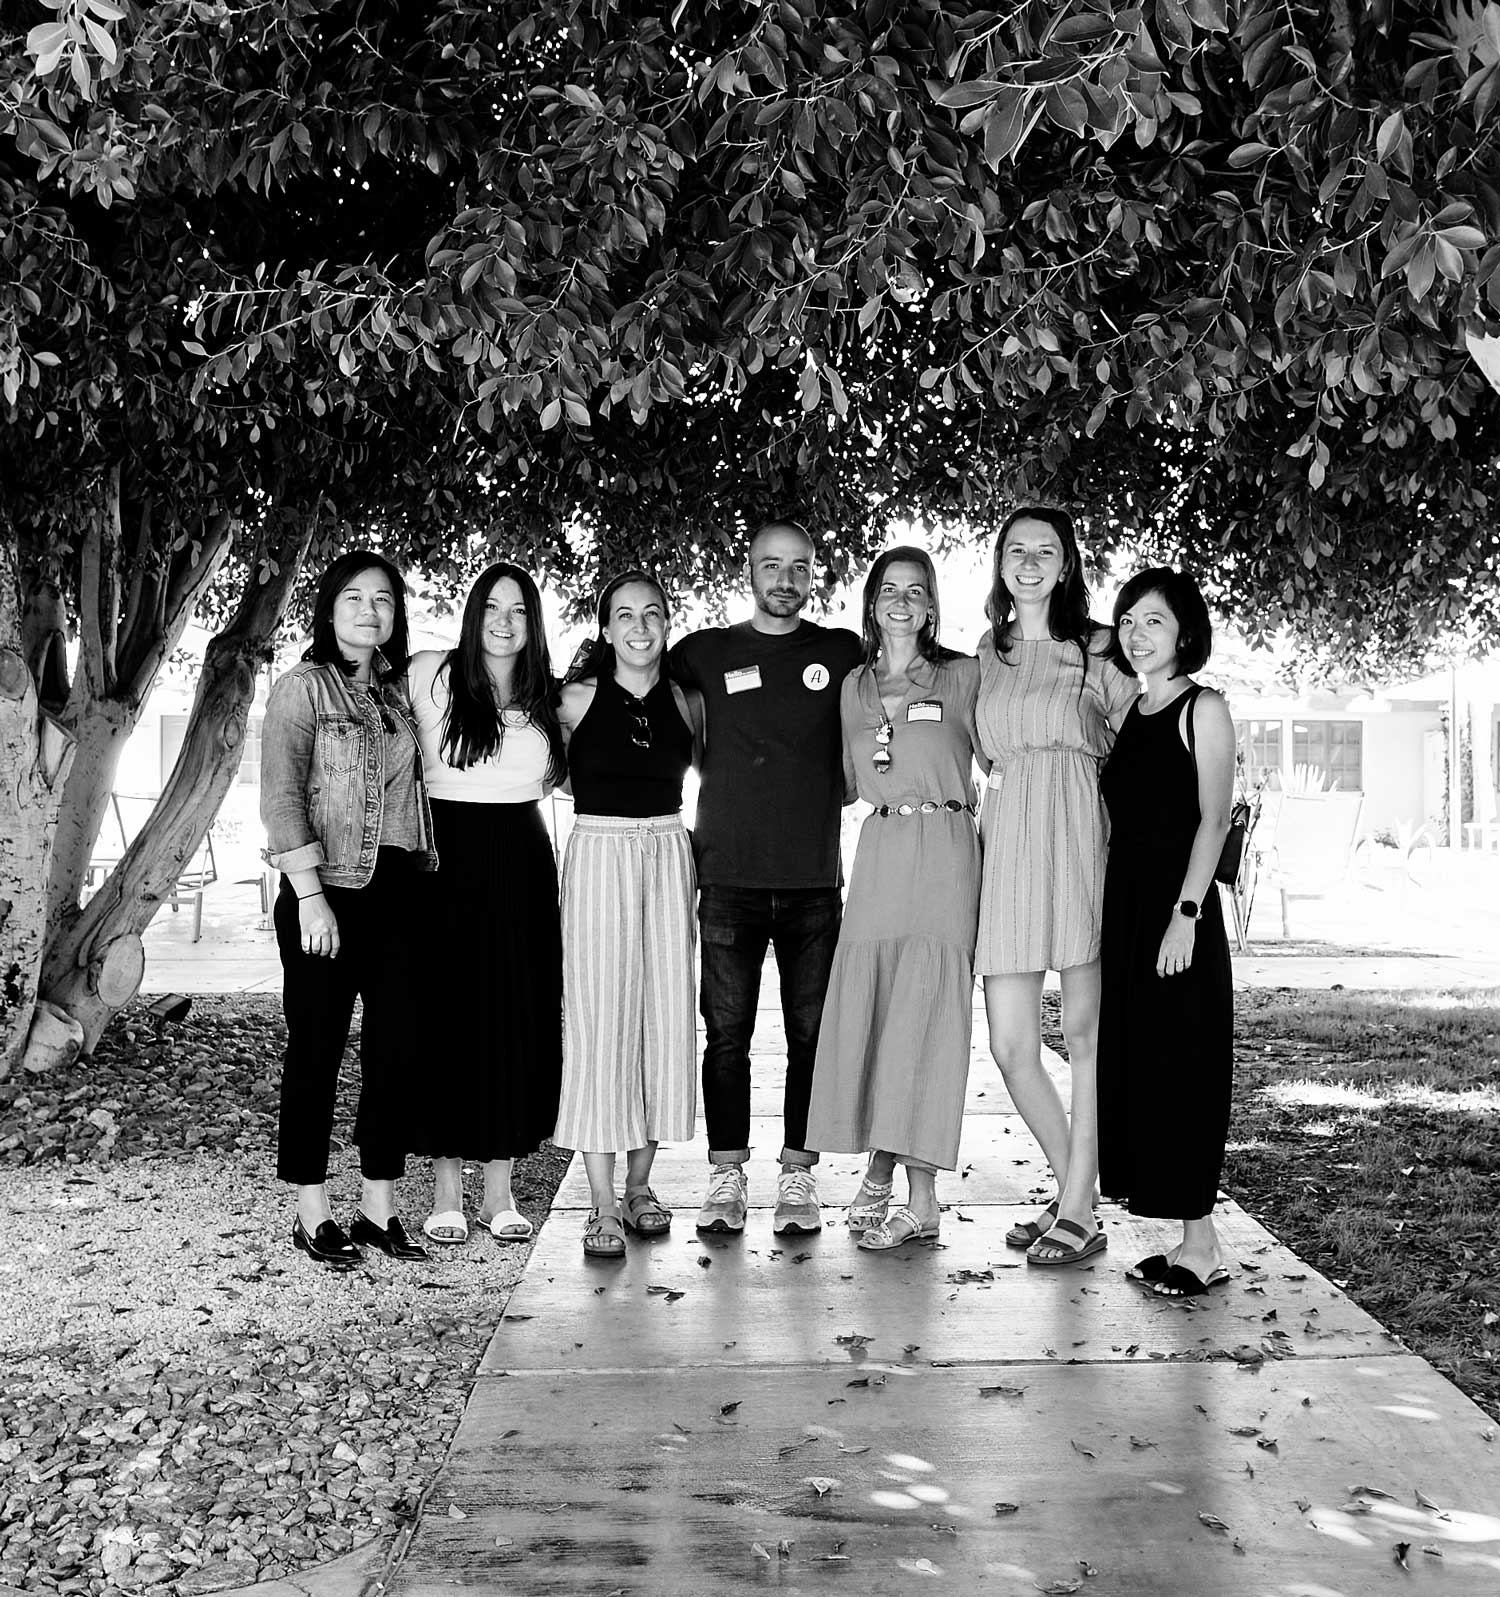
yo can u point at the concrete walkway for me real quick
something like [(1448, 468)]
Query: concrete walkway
[(716, 1414)]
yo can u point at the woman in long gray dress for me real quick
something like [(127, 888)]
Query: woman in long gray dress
[(893, 1048)]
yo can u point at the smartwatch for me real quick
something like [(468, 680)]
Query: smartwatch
[(1190, 908)]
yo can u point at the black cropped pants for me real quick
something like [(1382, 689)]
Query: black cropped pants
[(377, 933)]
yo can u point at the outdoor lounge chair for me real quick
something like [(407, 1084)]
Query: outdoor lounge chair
[(1312, 845)]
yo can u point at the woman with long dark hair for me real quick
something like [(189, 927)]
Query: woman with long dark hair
[(630, 1050), (491, 750), (893, 1047), (1049, 700), (348, 826), (1166, 1032)]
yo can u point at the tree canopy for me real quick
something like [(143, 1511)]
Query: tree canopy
[(1204, 270), (598, 283)]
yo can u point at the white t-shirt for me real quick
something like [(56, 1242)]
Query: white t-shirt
[(516, 775)]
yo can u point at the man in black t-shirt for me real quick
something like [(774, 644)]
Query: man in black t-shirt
[(767, 847)]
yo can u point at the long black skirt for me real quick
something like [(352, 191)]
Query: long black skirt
[(491, 963), (1166, 1046)]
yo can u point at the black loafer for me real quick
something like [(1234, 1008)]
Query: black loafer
[(328, 1245), (391, 1238)]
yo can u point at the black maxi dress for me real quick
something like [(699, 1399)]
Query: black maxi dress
[(1166, 1043)]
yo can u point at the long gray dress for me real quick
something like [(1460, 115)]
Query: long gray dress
[(893, 1048)]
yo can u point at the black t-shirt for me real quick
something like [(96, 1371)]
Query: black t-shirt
[(773, 776)]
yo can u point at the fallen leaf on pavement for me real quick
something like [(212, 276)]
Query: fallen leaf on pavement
[(1424, 1501)]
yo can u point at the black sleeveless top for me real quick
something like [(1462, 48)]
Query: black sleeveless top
[(1150, 785), (628, 756)]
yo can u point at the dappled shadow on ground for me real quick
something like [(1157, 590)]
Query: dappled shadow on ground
[(1366, 1135)]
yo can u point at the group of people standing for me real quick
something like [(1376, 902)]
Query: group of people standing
[(401, 797)]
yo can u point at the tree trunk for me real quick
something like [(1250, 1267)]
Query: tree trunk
[(134, 605), (34, 757), (88, 968)]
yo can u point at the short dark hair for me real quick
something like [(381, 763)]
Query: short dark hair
[(1195, 633), (324, 647)]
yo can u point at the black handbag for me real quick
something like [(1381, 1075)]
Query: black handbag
[(1232, 855), (1241, 815)]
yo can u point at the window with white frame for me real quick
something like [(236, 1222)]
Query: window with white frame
[(1335, 747)]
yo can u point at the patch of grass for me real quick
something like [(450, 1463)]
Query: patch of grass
[(1366, 1135)]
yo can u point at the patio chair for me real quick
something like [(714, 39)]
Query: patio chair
[(1312, 847)]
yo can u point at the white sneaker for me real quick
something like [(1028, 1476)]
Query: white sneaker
[(797, 1206), (724, 1207)]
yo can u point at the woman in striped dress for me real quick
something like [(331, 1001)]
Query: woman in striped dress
[(629, 1050), (1049, 702)]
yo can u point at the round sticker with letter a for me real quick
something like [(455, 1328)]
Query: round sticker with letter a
[(815, 677)]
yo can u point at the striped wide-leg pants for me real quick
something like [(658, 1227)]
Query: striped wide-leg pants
[(629, 1046)]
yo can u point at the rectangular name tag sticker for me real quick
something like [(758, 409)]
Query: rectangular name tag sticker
[(743, 680), (925, 710)]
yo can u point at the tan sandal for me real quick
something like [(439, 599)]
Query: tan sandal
[(645, 1213), (603, 1236)]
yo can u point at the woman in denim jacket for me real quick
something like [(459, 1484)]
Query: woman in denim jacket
[(347, 824)]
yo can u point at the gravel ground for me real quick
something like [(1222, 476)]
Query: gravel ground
[(186, 1403)]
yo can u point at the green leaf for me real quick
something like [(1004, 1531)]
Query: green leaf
[(1249, 154), (551, 415)]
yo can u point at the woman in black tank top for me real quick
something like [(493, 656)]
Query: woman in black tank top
[(628, 885), (1166, 1008)]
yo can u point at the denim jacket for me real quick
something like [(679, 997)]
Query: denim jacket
[(322, 776)]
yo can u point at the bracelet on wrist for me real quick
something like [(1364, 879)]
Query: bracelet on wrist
[(302, 898)]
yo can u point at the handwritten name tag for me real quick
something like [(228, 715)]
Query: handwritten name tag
[(743, 680)]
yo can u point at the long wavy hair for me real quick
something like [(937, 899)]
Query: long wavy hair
[(597, 656), (1068, 618), (324, 648), (927, 639), (473, 727)]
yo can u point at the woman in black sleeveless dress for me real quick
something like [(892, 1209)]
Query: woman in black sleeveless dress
[(1167, 1005)]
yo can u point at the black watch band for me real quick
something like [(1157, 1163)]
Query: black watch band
[(1191, 908)]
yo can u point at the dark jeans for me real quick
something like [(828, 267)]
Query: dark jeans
[(376, 934), (737, 925)]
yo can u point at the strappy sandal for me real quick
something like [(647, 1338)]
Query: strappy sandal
[(865, 1216), (603, 1236), (1088, 1244), (645, 1213), (885, 1236), (1028, 1231)]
